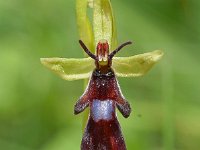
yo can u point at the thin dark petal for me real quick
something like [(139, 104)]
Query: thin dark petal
[(87, 50), (111, 55)]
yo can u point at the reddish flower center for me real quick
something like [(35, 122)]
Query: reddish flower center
[(102, 52)]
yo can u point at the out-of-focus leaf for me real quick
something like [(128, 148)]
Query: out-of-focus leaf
[(84, 25), (70, 68), (136, 65), (103, 23), (114, 41)]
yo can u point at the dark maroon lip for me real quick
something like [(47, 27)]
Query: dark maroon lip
[(103, 95)]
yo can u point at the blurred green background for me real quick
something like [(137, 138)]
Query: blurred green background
[(36, 106)]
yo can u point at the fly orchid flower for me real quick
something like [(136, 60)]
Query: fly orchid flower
[(102, 94)]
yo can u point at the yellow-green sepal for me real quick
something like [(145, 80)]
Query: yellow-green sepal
[(103, 23), (70, 68), (135, 66)]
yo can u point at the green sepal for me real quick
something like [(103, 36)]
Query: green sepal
[(137, 65), (75, 69), (103, 23), (70, 68)]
